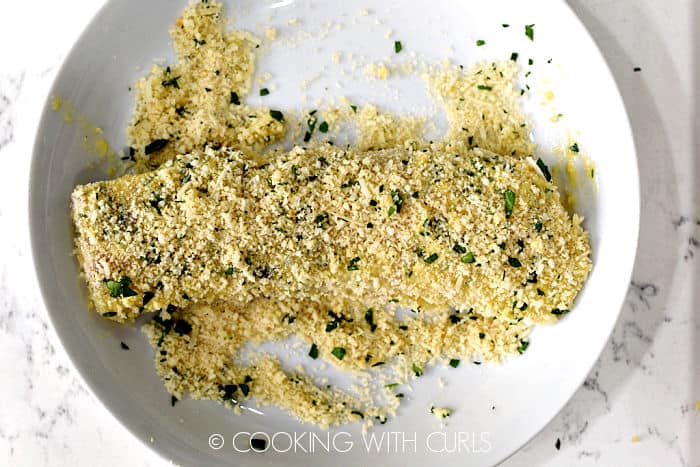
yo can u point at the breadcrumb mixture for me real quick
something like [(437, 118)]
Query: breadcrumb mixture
[(382, 259)]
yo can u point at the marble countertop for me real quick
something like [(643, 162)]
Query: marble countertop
[(639, 406)]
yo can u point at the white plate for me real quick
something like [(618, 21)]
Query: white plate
[(502, 407)]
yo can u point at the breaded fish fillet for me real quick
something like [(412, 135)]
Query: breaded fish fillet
[(430, 230)]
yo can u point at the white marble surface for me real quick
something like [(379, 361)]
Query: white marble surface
[(647, 382)]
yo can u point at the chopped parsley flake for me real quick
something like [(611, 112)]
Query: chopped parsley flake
[(155, 145), (480, 42), (353, 264), (418, 371), (119, 289), (544, 169), (397, 46), (574, 147), (431, 259), (454, 362), (369, 317), (523, 346), (514, 56), (338, 352), (457, 248), (484, 87), (397, 199), (530, 31), (313, 351), (171, 82), (264, 92), (468, 258), (509, 196), (234, 99), (515, 262), (277, 115), (323, 127)]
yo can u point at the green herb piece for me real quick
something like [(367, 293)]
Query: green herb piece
[(353, 264), (229, 271), (350, 183), (454, 362), (338, 352), (514, 56), (530, 31), (124, 346), (538, 226), (468, 258), (523, 346), (180, 111), (171, 82), (245, 389), (228, 391), (109, 314), (277, 115), (358, 413), (544, 169), (574, 147), (481, 335), (397, 199), (155, 145), (509, 196), (540, 292), (505, 25), (530, 61), (391, 385), (399, 395), (234, 99), (417, 370), (431, 259), (155, 202), (559, 312), (515, 262), (313, 352), (119, 289), (354, 108), (182, 327), (484, 87), (480, 42), (264, 92), (321, 220), (199, 41), (369, 317), (457, 248), (323, 127), (391, 211), (397, 46)]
